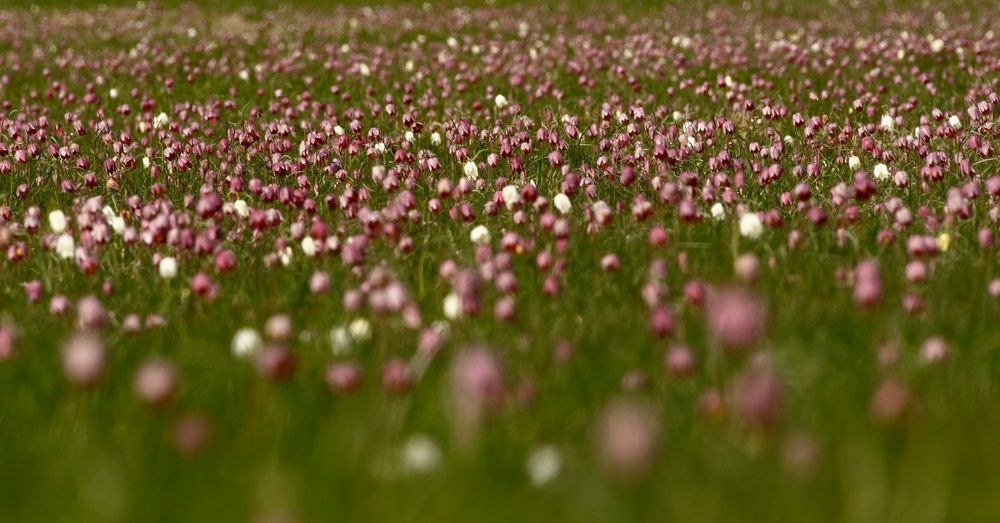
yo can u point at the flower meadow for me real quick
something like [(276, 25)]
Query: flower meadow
[(444, 262)]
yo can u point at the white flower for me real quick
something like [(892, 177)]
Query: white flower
[(562, 203), (340, 340), (887, 123), (244, 75), (452, 306), (544, 465), (511, 196), (117, 224), (954, 122), (192, 32), (309, 246), (241, 208), (470, 170), (168, 268), (364, 70), (360, 330), (718, 211), (500, 101), (420, 455), (285, 256), (435, 138), (65, 246), (937, 45), (881, 172), (338, 130), (246, 342), (380, 147), (751, 226), (480, 235), (57, 220), (854, 162), (145, 162), (408, 136), (161, 120), (113, 93)]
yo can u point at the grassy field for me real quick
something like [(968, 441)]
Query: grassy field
[(246, 279)]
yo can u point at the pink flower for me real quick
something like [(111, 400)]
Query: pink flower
[(8, 342), (276, 363), (344, 377), (679, 361), (477, 389), (319, 282), (156, 382), (33, 289), (90, 313), (735, 319), (867, 284), (757, 398), (83, 359), (396, 377), (628, 435)]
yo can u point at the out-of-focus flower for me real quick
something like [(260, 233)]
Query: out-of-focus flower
[(340, 340), (735, 318), (888, 123), (718, 211), (246, 342), (751, 226), (480, 235), (83, 359), (168, 268), (65, 246), (511, 196), (452, 306), (360, 330), (471, 170), (880, 172), (156, 382), (160, 120), (562, 203), (309, 246), (543, 465), (57, 221), (241, 208), (628, 436), (420, 455), (477, 390)]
